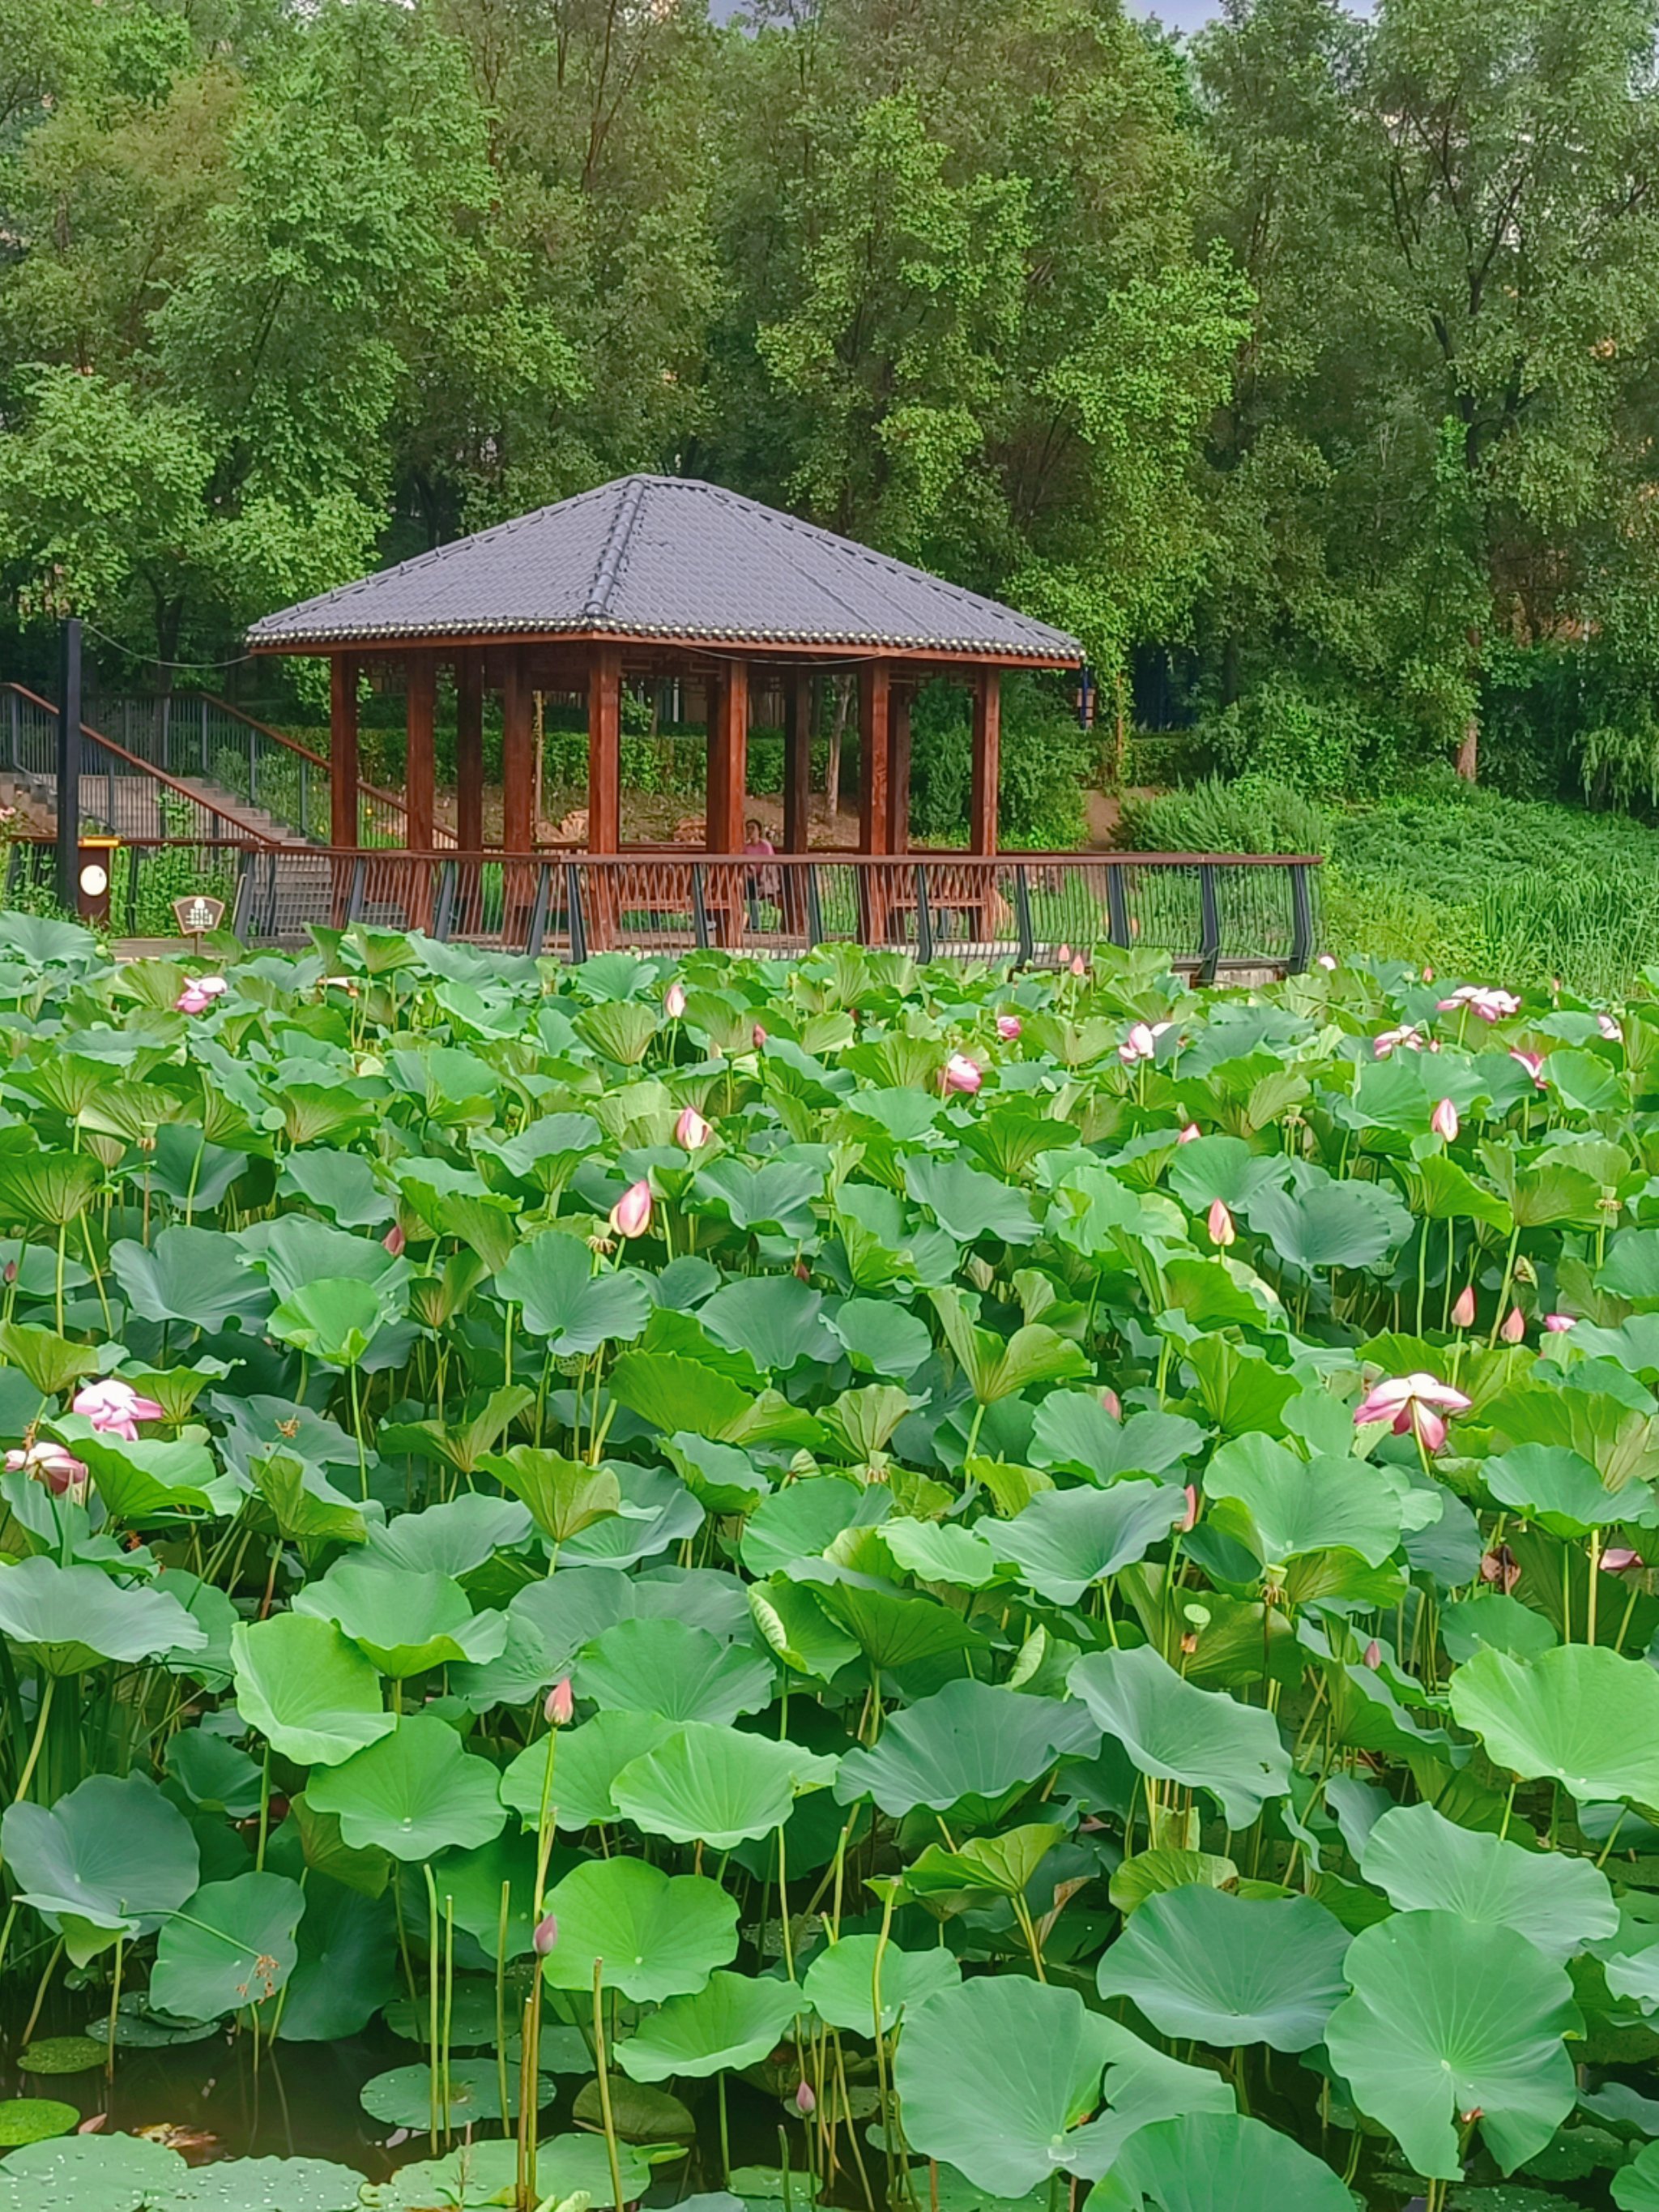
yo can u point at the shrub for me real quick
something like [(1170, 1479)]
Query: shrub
[(1251, 814), (1045, 758)]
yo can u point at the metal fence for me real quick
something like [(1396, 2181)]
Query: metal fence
[(1210, 911), (121, 793)]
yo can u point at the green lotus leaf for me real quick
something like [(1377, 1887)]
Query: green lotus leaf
[(348, 1964), (1067, 1540), (1151, 1873), (1448, 2016), (1283, 1506), (564, 1496), (1580, 1713), (404, 1621), (892, 1627), (941, 1552), (1328, 1224), (340, 1183), (402, 2096), (1636, 2186), (658, 1935), (881, 1338), (312, 1695), (453, 1538), (1074, 1430), (412, 1793), (486, 2174), (68, 1619), (1422, 1861), (89, 2173), (62, 2054), (266, 2185), (717, 1785), (678, 1671), (155, 1476), (229, 1946), (197, 1276), (34, 2119), (213, 1774), (798, 1629), (732, 2022), (554, 1281), (1211, 1968), (1218, 2162), (841, 1982), (1202, 1738), (335, 1319), (113, 1857), (970, 1745), (799, 1522), (1004, 1865), (1559, 1489), (779, 1323), (587, 1760)]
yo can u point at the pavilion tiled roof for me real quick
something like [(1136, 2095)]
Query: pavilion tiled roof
[(667, 558)]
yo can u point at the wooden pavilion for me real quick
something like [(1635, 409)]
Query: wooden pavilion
[(652, 579)]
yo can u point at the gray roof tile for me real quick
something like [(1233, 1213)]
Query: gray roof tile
[(665, 557)]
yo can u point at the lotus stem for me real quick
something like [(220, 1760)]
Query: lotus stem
[(1595, 1575), (27, 2035), (49, 1683), (114, 2008), (500, 2001), (605, 2086), (432, 2005)]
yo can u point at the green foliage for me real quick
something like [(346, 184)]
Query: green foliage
[(1253, 814)]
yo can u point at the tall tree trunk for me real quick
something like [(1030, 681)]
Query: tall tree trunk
[(832, 766), (1468, 751)]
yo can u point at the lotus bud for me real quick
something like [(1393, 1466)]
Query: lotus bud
[(1443, 1121), (1620, 1559), (631, 1215), (1428, 974), (1189, 1134), (1559, 1324), (804, 2100), (757, 1036), (691, 1131), (1373, 1654), (1189, 1518), (560, 1705), (546, 1935), (9, 1272), (1515, 1326), (1112, 1403), (960, 1073), (1079, 965), (1065, 956), (394, 1240), (1009, 1027), (1220, 1224), (1462, 1312), (1326, 960), (673, 1001), (1609, 1028)]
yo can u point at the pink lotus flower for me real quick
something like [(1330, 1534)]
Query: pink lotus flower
[(115, 1408), (1609, 1028), (1406, 1038), (1220, 1224), (631, 1215), (1189, 1518), (64, 1475), (691, 1131), (199, 994), (560, 1704), (1141, 1043), (673, 1001), (757, 1036), (546, 1935), (804, 2100), (1326, 960), (1559, 1324), (1373, 1654), (1490, 1005), (1513, 1326), (1412, 1403), (1009, 1026), (1501, 1569), (1189, 1134), (1533, 1062), (960, 1073), (1620, 1559), (394, 1240), (1462, 1312), (1111, 1403), (1443, 1121)]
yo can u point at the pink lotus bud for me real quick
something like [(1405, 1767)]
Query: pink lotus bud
[(1189, 1134), (691, 1131), (673, 1001), (546, 1935), (1620, 1559), (631, 1215), (1079, 965), (757, 1036), (1373, 1654), (1220, 1224), (1065, 956), (1559, 1324), (57, 1468), (960, 1073), (1112, 1403), (1428, 974), (1326, 960), (1609, 1028), (1189, 1518), (1534, 1064), (561, 1703), (804, 2100), (1009, 1026), (1443, 1121), (1513, 1326), (9, 1272), (1462, 1312), (394, 1240)]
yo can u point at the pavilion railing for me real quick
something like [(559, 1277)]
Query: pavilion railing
[(1210, 912)]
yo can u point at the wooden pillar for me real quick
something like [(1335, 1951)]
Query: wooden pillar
[(468, 751), (988, 756), (420, 779), (342, 751), (605, 750), (728, 759), (875, 755), (797, 757), (898, 770), (517, 756)]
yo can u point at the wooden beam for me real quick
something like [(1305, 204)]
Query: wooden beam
[(420, 775), (518, 758), (645, 653), (875, 755), (728, 759), (604, 750), (797, 757), (342, 751), (898, 770), (468, 751), (988, 760)]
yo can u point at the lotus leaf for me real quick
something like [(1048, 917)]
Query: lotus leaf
[(840, 1985), (1423, 1861), (1199, 1738), (970, 1745), (314, 1696), (68, 1619), (1578, 1712), (110, 1859), (731, 2022), (412, 1793), (1207, 1966), (678, 1671), (404, 1620), (229, 1946), (656, 1936), (708, 1783), (1065, 1541)]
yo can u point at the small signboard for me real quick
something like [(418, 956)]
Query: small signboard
[(198, 915)]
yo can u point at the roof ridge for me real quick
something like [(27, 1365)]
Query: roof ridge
[(614, 551)]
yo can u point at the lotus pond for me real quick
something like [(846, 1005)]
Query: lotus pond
[(841, 1583)]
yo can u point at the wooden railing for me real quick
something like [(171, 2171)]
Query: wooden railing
[(1209, 911)]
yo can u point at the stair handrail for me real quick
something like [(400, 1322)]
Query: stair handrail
[(317, 760), (245, 833)]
